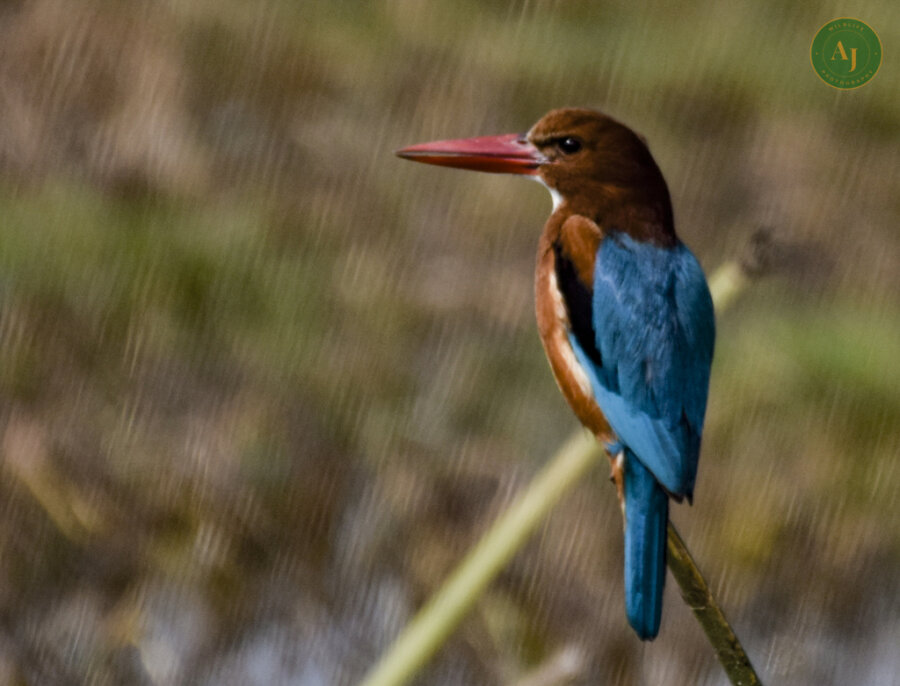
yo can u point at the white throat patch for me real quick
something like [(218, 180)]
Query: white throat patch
[(554, 194)]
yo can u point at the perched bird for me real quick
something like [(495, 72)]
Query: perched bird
[(624, 313)]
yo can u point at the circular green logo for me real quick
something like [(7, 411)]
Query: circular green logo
[(845, 53)]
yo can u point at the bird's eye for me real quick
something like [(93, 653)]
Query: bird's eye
[(569, 145)]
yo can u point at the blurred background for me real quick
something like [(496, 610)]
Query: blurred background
[(262, 384)]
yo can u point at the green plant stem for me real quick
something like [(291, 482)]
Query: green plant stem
[(439, 617), (726, 284), (699, 598)]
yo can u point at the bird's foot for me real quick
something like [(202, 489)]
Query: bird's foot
[(617, 475)]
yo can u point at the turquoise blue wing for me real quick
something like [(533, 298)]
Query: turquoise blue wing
[(654, 331)]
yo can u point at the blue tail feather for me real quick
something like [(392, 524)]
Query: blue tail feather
[(646, 519)]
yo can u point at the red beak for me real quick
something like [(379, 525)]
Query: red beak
[(507, 154)]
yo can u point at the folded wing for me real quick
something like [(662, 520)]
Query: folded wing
[(654, 330)]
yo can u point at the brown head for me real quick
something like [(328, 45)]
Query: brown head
[(594, 165)]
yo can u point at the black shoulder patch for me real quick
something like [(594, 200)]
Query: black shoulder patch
[(577, 298)]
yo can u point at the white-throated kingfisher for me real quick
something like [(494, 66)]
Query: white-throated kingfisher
[(624, 314)]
